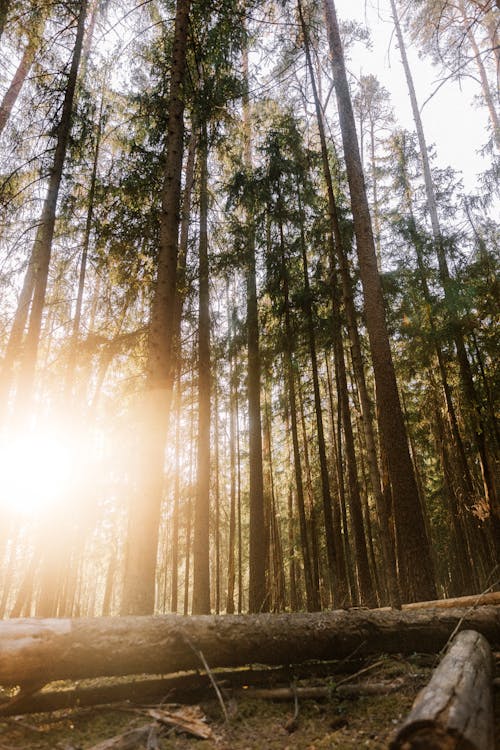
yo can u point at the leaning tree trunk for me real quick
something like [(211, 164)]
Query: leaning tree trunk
[(4, 10), (24, 67), (201, 543), (36, 279), (144, 512), (415, 561)]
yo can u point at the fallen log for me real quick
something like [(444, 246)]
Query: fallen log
[(189, 687), (318, 692), (48, 649), (472, 600), (455, 710)]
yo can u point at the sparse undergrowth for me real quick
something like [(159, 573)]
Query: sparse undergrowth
[(367, 721)]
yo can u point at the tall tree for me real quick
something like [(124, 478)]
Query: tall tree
[(257, 595), (144, 513), (201, 542), (416, 573), (337, 250), (38, 269)]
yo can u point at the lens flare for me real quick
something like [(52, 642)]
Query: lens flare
[(35, 469)]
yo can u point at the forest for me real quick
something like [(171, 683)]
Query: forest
[(249, 327)]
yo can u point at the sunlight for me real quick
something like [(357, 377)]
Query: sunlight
[(35, 469)]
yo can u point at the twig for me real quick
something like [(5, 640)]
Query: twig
[(211, 677), (295, 701), (360, 672), (471, 609)]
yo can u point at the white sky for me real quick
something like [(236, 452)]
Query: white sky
[(452, 121)]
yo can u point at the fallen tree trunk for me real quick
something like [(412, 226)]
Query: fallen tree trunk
[(322, 693), (32, 650), (455, 710), (189, 687), (473, 600)]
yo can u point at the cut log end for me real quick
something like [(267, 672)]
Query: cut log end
[(455, 710), (430, 736)]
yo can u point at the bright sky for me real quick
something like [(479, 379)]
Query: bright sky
[(451, 120)]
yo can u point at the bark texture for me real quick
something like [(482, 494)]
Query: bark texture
[(455, 710), (109, 646)]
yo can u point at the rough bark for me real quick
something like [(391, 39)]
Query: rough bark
[(92, 647), (455, 710)]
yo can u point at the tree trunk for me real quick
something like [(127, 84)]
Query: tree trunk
[(42, 247), (217, 506), (231, 561), (342, 537), (456, 708), (276, 586), (75, 333), (257, 595), (98, 647), (4, 11), (337, 593), (312, 526), (337, 246), (201, 542), (415, 562), (312, 593), (174, 596), (144, 512), (24, 67)]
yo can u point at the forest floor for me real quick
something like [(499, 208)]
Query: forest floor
[(358, 721)]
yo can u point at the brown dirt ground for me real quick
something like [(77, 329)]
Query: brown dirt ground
[(363, 722)]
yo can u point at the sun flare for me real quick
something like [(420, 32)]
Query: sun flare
[(35, 469)]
